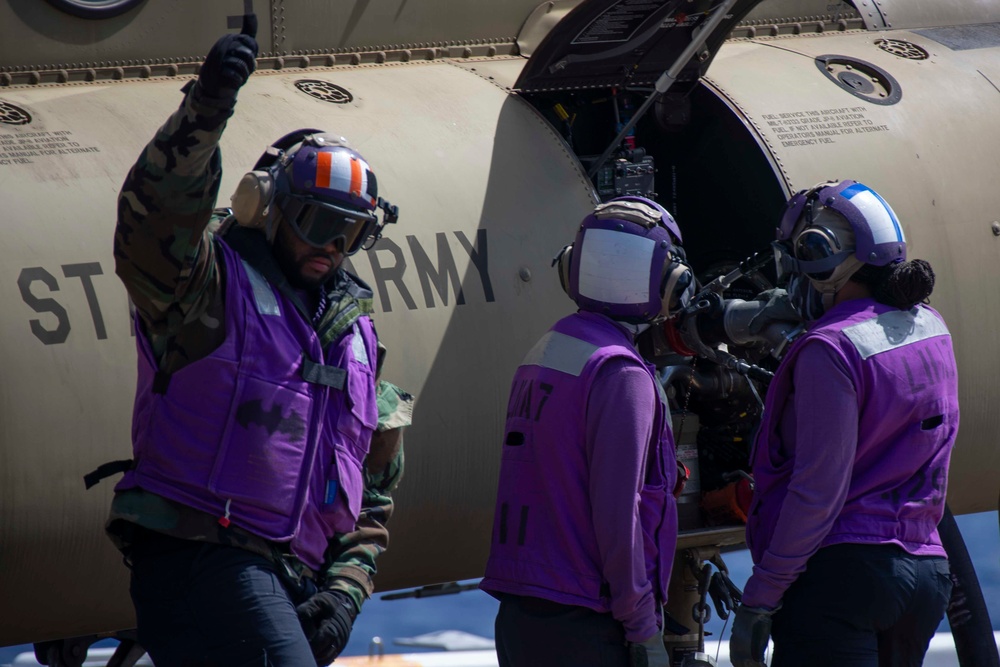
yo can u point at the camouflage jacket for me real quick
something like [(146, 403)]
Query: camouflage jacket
[(166, 257)]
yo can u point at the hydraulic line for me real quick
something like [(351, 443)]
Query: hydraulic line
[(967, 613)]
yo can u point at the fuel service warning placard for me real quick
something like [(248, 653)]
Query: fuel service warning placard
[(824, 126), (27, 147)]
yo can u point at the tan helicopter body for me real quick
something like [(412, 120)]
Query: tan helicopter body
[(486, 153)]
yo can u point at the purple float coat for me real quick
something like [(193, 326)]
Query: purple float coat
[(854, 447), (585, 515), (269, 431)]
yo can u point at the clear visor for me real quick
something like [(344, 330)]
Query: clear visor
[(819, 252), (816, 252), (319, 224)]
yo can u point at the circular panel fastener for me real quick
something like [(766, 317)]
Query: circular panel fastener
[(95, 9), (324, 91), (902, 49), (13, 115), (861, 79)]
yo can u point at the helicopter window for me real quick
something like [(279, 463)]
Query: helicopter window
[(95, 9)]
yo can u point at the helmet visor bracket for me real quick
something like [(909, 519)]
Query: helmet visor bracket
[(319, 223), (784, 261), (677, 287)]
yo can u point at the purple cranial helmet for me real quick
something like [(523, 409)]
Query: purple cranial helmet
[(324, 190), (324, 167), (666, 219), (623, 263), (331, 193)]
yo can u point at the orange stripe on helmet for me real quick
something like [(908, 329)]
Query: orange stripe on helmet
[(356, 175), (324, 163)]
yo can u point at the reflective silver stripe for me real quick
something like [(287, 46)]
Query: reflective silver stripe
[(894, 329), (358, 347), (267, 303), (560, 353)]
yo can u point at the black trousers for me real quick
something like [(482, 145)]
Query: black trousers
[(532, 631), (860, 605), (209, 605)]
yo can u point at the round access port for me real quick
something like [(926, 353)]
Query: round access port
[(95, 9), (861, 79)]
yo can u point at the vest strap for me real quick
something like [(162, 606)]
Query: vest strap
[(329, 376), (107, 470), (255, 251), (267, 303)]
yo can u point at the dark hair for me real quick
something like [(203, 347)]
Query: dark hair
[(901, 285)]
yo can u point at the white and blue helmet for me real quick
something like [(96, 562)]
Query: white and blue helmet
[(827, 233)]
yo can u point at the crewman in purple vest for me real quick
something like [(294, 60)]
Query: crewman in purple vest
[(255, 505), (586, 520), (851, 459)]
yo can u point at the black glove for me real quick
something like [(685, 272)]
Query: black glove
[(229, 64), (751, 630), (327, 618), (777, 308)]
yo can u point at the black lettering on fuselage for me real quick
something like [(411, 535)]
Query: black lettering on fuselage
[(47, 336), (85, 272), (480, 258), (392, 274), (439, 276)]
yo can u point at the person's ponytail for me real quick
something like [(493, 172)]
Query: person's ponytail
[(902, 285)]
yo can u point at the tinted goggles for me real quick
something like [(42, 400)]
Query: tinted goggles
[(319, 223)]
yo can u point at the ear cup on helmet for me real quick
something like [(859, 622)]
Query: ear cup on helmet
[(254, 195), (562, 262), (252, 200), (676, 288)]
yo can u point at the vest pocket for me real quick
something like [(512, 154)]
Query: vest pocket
[(652, 511), (518, 440), (344, 490), (359, 413), (261, 454)]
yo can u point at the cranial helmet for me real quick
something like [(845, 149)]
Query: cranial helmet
[(321, 187), (827, 233), (623, 263), (666, 219)]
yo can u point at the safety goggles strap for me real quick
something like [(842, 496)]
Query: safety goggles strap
[(821, 265)]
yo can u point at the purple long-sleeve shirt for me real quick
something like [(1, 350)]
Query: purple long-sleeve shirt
[(819, 425), (617, 442)]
